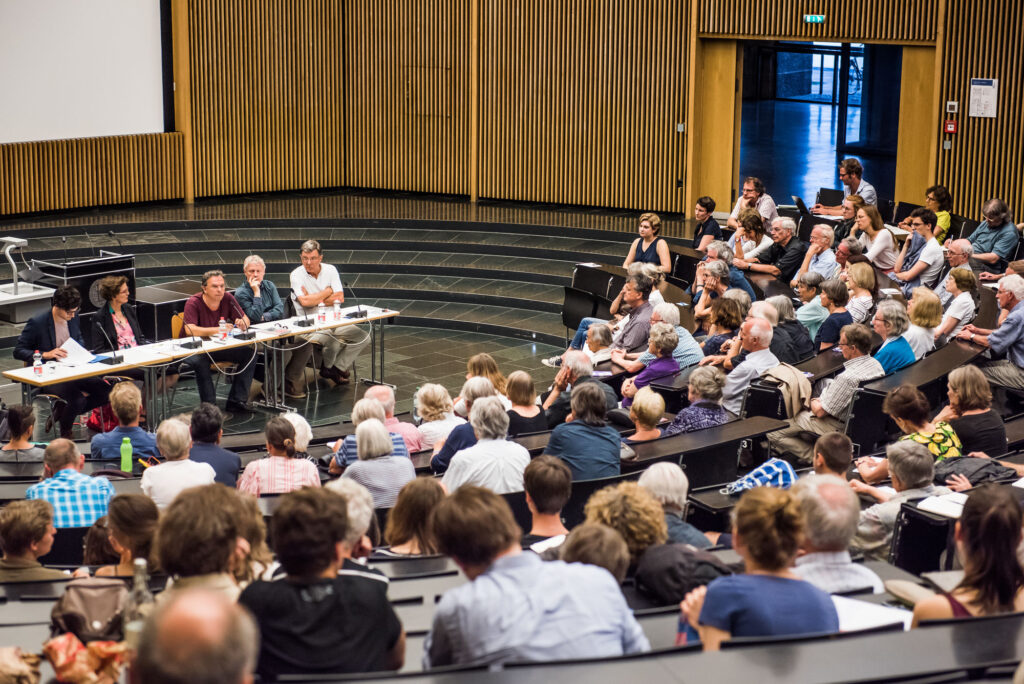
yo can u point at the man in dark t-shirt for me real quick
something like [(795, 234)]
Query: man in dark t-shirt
[(317, 620), (203, 313)]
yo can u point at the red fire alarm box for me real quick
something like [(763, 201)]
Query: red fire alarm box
[(949, 126)]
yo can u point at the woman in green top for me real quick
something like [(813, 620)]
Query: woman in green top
[(938, 199), (910, 410)]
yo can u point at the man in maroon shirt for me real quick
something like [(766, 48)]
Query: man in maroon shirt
[(203, 313)]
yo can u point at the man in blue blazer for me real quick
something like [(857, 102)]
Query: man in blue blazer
[(46, 332)]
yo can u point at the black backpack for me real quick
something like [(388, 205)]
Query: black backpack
[(666, 573)]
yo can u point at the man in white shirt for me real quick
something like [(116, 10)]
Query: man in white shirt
[(314, 283), (754, 197), (958, 255), (755, 337), (929, 262), (493, 462), (178, 472), (852, 175)]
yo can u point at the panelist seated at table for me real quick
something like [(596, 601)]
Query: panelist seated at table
[(126, 402), (203, 313), (115, 324), (261, 302), (45, 333)]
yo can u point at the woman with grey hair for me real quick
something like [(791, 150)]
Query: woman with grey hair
[(669, 485), (705, 410), (663, 341), (303, 433), (811, 313), (378, 469), (716, 284), (163, 482), (346, 450), (803, 346), (890, 322)]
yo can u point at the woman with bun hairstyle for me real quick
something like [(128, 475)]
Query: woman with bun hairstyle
[(281, 471), (132, 520)]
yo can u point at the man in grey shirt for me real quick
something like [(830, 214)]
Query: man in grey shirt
[(635, 333), (517, 607)]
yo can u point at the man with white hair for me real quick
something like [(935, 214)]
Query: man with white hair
[(261, 302), (178, 472), (958, 255), (669, 485), (819, 257), (719, 250), (357, 542), (494, 461), (386, 396), (831, 512), (756, 338), (462, 436), (783, 258), (576, 369), (1007, 341), (686, 353)]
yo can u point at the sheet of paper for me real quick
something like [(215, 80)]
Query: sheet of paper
[(948, 505), (77, 354), (856, 615)]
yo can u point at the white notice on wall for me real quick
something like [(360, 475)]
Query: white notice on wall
[(983, 97)]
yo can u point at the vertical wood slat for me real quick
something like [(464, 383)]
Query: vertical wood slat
[(82, 172)]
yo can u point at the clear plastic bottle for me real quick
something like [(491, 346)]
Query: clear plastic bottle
[(321, 313), (139, 605), (337, 311), (222, 329), (37, 363)]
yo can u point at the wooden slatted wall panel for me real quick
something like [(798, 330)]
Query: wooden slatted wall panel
[(987, 155), (266, 95), (407, 80), (580, 101), (905, 21), (84, 172)]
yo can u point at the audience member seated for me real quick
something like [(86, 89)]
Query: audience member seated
[(633, 512), (462, 436), (280, 471), (46, 333), (587, 444), (890, 322), (255, 559), (598, 347), (663, 342), (21, 421), (483, 366), (987, 536), (912, 468), (525, 416), (346, 451), (863, 291), (833, 455), (317, 620), (706, 227), (925, 267), (97, 549), (126, 403), (783, 258), (360, 518), (77, 499), (596, 544), (963, 286), (436, 410), (132, 519), (755, 338), (847, 219), (669, 485), (909, 409), (938, 199), (178, 472), (303, 433), (575, 372), (1006, 369), (386, 396), (516, 607), (831, 512), (925, 312), (494, 461), (834, 297), (197, 636), (754, 197), (650, 247), (819, 257), (636, 294), (26, 534), (711, 282), (207, 427), (704, 392), (995, 240), (770, 599), (1012, 268), (378, 469), (723, 324), (408, 531), (751, 238), (803, 347), (686, 353), (851, 173), (548, 484), (879, 244), (958, 255), (811, 313), (720, 251), (200, 541), (970, 413), (647, 409), (828, 411)]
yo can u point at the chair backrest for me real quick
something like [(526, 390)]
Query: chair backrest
[(961, 226), (177, 325), (577, 305), (763, 399), (572, 514), (919, 539), (830, 197), (517, 502), (68, 547), (988, 309), (866, 425), (887, 208), (903, 210)]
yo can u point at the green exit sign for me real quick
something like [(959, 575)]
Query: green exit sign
[(814, 18)]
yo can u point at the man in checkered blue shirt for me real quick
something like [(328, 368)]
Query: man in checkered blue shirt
[(77, 499)]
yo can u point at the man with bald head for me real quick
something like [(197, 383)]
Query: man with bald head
[(782, 259), (386, 396), (958, 255), (755, 338), (197, 637)]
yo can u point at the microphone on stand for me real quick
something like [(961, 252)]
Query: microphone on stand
[(246, 334), (64, 240), (112, 360), (194, 343), (304, 322), (358, 313), (113, 235), (92, 245)]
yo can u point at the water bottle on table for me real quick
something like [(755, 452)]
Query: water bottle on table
[(37, 363), (126, 455)]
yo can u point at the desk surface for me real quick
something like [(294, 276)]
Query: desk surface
[(933, 367), (704, 439)]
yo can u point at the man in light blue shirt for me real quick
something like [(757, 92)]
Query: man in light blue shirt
[(77, 499), (1006, 341), (516, 607), (995, 239), (126, 402), (755, 337), (819, 257)]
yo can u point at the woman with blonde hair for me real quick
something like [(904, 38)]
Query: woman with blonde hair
[(925, 311), (484, 366), (963, 285), (650, 247), (769, 599), (437, 411), (525, 416), (879, 245), (970, 413), (647, 409), (863, 291)]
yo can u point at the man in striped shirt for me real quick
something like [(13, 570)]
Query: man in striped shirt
[(77, 499)]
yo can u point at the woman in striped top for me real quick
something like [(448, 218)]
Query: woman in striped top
[(281, 472), (378, 469)]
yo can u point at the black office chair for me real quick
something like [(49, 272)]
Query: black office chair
[(919, 540), (68, 547), (887, 208), (572, 513), (577, 305), (517, 502)]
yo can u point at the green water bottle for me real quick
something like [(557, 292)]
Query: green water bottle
[(126, 455)]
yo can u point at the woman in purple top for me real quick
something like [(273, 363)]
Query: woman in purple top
[(705, 409), (663, 341)]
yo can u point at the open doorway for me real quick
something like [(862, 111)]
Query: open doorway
[(808, 105)]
